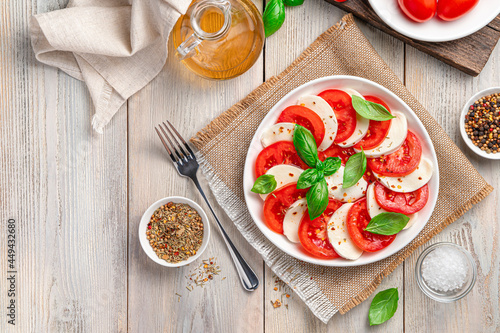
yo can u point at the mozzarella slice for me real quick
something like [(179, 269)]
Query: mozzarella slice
[(349, 194), (351, 92), (362, 125), (339, 237), (292, 220), (394, 139), (409, 183), (374, 208), (325, 112), (283, 174), (277, 132)]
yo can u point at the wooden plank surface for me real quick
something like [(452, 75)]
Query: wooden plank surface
[(478, 229), (468, 54), (223, 306), (77, 197), (65, 187)]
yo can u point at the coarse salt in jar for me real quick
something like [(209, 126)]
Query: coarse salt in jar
[(445, 272)]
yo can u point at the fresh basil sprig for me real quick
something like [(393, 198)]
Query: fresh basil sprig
[(370, 110), (264, 184), (292, 3), (304, 143), (308, 178), (387, 223), (317, 196), (332, 165), (355, 167), (383, 306), (274, 16), (317, 199)]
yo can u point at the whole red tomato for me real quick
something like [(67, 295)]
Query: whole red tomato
[(449, 10), (419, 10)]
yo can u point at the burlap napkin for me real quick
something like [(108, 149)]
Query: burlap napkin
[(115, 46), (223, 145)]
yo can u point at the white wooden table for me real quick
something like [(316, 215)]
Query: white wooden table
[(77, 196)]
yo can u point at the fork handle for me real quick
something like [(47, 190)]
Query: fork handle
[(248, 277)]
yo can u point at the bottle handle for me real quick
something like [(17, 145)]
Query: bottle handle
[(187, 48)]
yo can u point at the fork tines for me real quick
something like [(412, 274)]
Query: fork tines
[(182, 151)]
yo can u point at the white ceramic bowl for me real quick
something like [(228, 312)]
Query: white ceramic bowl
[(461, 124), (143, 225), (365, 87), (436, 30)]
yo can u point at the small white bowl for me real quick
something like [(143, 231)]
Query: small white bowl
[(144, 225), (468, 141), (452, 295)]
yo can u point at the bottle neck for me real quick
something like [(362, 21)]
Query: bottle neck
[(217, 7)]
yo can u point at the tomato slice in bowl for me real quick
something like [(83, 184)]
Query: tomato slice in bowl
[(281, 152), (405, 203), (337, 151), (377, 131), (357, 220), (313, 234), (400, 163), (305, 117), (341, 103), (278, 202)]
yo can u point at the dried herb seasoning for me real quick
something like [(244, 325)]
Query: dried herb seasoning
[(175, 232), (284, 290), (204, 273)]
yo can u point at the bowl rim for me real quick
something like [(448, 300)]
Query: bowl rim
[(468, 142), (305, 88), (427, 290), (146, 247)]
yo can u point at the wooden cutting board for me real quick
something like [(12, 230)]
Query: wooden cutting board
[(468, 54)]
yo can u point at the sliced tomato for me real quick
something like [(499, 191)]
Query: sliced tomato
[(341, 103), (404, 203), (305, 117), (337, 151), (377, 131), (357, 220), (400, 163), (313, 234), (278, 202), (281, 152)]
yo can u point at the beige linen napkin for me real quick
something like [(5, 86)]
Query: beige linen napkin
[(115, 46), (223, 145)]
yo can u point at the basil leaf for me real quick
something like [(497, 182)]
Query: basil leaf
[(305, 145), (317, 199), (320, 166), (273, 17), (387, 223), (292, 3), (383, 306), (264, 184), (354, 169), (332, 165), (370, 110), (308, 178)]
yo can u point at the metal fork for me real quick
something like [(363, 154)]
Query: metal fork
[(186, 165)]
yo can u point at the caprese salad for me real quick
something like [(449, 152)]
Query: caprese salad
[(340, 173)]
